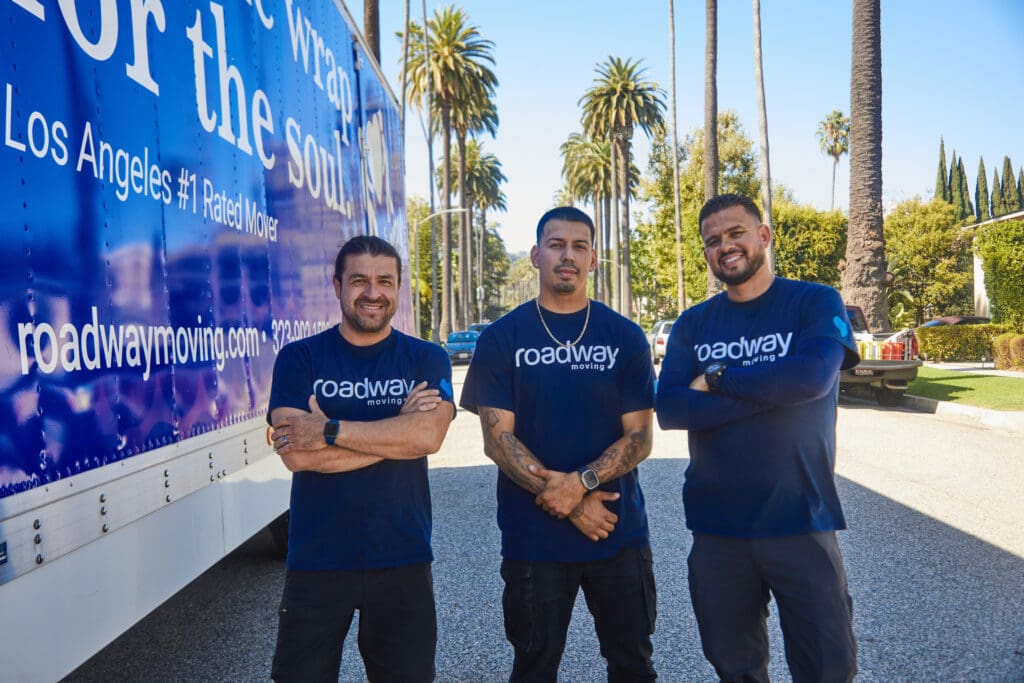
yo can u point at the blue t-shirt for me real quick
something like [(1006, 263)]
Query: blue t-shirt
[(772, 472), (568, 402), (377, 516)]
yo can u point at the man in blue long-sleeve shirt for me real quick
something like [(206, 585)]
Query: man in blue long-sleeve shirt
[(752, 374)]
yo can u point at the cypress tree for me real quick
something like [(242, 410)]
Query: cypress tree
[(1020, 188), (956, 184), (1010, 203), (941, 186), (950, 179), (981, 193), (997, 195), (966, 208)]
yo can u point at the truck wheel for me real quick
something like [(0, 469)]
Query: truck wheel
[(279, 532), (888, 397)]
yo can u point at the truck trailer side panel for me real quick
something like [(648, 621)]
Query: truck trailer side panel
[(177, 179)]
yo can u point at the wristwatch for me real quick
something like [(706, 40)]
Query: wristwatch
[(331, 428), (589, 478), (713, 373)]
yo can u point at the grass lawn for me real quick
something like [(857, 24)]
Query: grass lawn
[(968, 388)]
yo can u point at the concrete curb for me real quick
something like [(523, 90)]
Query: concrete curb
[(1005, 421)]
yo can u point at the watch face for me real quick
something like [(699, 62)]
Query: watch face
[(331, 429), (589, 479)]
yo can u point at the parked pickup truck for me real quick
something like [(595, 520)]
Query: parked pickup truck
[(888, 363)]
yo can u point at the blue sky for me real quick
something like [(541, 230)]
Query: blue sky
[(949, 68)]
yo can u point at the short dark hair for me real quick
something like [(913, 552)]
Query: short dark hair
[(564, 213), (727, 201), (365, 244)]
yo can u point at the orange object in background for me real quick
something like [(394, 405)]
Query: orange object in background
[(892, 351)]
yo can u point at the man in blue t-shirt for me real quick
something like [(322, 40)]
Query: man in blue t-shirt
[(355, 410), (564, 389), (753, 375)]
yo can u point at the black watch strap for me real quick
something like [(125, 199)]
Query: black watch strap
[(713, 373), (331, 428)]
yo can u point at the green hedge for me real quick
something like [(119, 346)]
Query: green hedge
[(1009, 351), (958, 342), (1000, 246)]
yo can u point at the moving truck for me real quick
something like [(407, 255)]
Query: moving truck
[(177, 178)]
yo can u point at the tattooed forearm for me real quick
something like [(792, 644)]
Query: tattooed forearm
[(517, 459), (508, 452), (623, 455)]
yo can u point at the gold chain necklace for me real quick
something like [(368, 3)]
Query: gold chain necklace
[(547, 329)]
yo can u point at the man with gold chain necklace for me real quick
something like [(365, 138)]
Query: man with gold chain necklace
[(564, 389)]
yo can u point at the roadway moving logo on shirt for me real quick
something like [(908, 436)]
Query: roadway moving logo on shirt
[(764, 349), (376, 391), (593, 357)]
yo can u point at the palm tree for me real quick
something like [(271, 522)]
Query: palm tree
[(456, 60), (680, 285), (618, 101), (472, 113), (482, 186), (766, 173), (711, 115), (864, 277), (586, 168), (834, 138)]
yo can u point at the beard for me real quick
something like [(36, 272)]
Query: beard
[(567, 287), (754, 263), (367, 324)]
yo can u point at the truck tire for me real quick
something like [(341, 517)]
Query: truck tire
[(888, 397), (279, 532)]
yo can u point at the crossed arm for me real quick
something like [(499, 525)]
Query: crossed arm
[(418, 430), (562, 494), (807, 373)]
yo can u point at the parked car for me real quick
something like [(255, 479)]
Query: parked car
[(958, 320), (478, 327), (658, 339), (461, 345)]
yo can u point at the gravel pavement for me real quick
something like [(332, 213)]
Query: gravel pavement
[(935, 557)]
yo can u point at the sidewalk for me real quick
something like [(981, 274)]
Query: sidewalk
[(1003, 420), (976, 367)]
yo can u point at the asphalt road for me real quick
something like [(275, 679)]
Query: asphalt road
[(934, 554)]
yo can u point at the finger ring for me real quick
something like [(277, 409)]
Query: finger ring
[(284, 440)]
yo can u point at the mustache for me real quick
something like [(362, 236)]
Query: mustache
[(567, 266), (363, 300)]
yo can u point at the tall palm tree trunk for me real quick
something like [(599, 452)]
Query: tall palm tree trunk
[(864, 277), (446, 221), (680, 284), (614, 233), (766, 173), (371, 27), (627, 273), (711, 116), (465, 243), (835, 165), (599, 248), (480, 265), (608, 290)]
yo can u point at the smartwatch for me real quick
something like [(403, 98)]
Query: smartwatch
[(589, 478), (331, 428), (713, 373)]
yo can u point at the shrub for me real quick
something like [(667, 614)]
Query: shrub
[(1017, 352), (958, 342), (1001, 350)]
